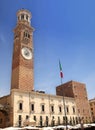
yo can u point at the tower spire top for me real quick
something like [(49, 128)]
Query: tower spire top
[(23, 16)]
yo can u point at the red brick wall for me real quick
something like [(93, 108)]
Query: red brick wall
[(22, 69), (78, 91)]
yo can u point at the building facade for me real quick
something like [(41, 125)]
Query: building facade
[(44, 109), (24, 105), (78, 91), (21, 108), (92, 108)]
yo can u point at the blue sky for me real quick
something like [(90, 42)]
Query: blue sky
[(64, 29)]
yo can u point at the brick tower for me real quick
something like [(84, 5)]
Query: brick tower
[(22, 64), (78, 91)]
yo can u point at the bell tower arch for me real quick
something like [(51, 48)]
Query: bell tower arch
[(22, 62)]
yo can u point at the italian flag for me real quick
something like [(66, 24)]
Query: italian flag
[(61, 73)]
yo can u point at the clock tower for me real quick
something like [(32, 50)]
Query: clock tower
[(22, 62)]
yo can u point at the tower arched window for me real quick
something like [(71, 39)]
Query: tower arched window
[(27, 17), (26, 35), (22, 17)]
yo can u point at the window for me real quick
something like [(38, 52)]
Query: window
[(41, 121), (46, 120), (27, 17), (35, 118), (63, 118), (76, 118), (41, 118), (60, 109), (19, 120), (52, 108), (67, 109), (27, 117), (43, 108), (46, 117), (26, 34), (53, 121), (22, 17), (20, 106), (73, 110), (32, 107), (58, 120)]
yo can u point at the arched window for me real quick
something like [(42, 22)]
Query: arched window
[(58, 120), (22, 17), (19, 120), (20, 106), (41, 121), (60, 109), (26, 34), (32, 107), (27, 17), (47, 120)]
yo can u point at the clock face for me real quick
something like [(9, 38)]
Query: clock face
[(26, 53)]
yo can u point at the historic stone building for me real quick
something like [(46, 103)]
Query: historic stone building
[(42, 109), (92, 108), (77, 91), (24, 105)]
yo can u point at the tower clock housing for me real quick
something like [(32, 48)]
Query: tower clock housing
[(22, 64)]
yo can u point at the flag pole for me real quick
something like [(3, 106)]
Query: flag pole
[(61, 81), (61, 76)]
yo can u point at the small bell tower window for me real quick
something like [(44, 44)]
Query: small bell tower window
[(27, 17), (22, 17), (26, 35)]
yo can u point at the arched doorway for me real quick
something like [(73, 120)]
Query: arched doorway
[(3, 116)]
